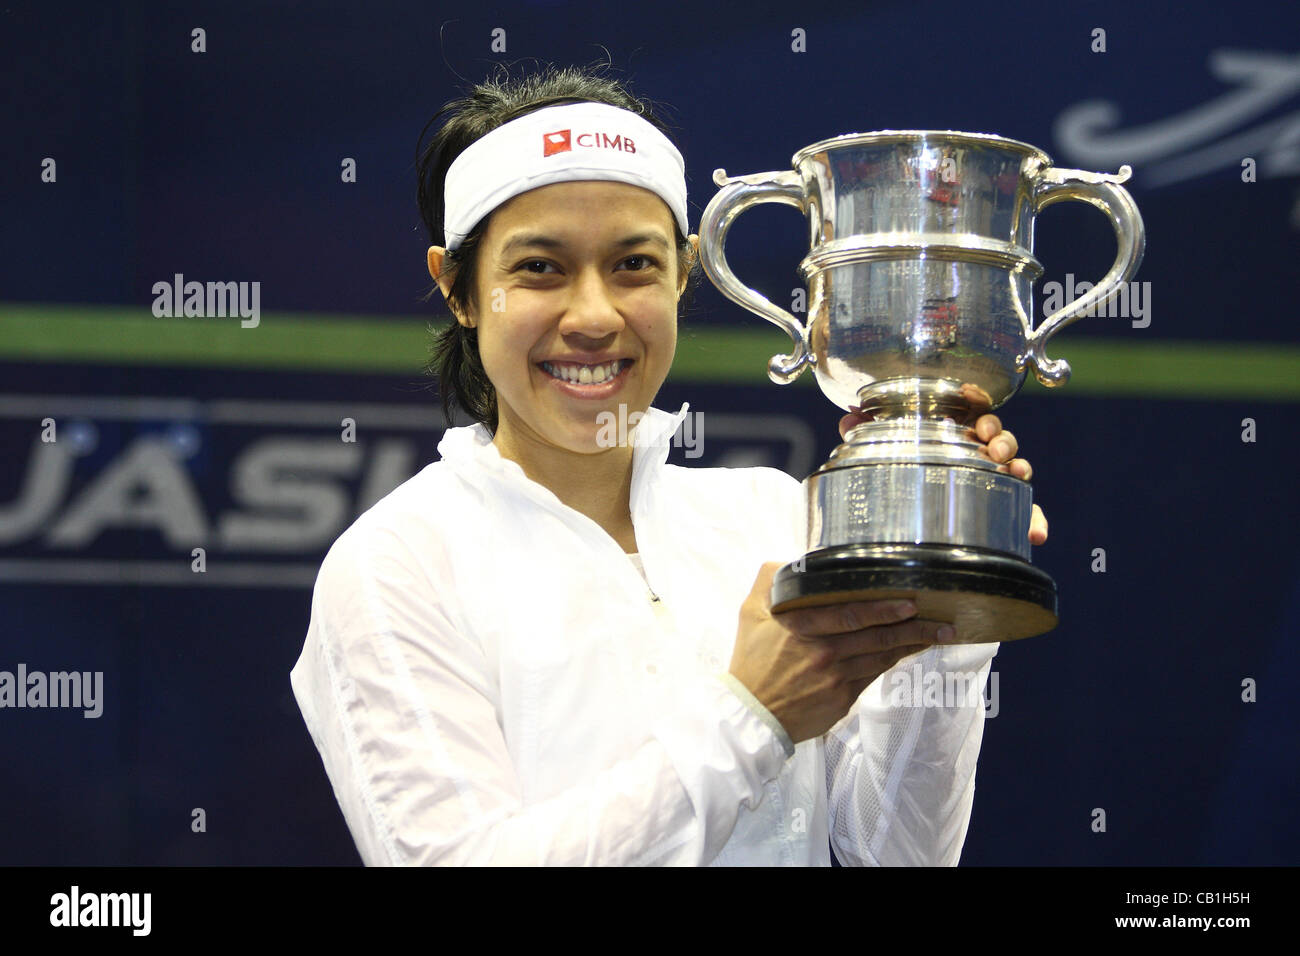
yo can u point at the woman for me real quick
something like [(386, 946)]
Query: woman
[(520, 655)]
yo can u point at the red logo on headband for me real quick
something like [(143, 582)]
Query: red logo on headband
[(557, 142), (561, 141)]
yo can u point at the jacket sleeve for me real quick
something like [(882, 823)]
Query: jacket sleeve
[(403, 708), (900, 766)]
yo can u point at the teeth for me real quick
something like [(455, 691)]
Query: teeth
[(584, 374)]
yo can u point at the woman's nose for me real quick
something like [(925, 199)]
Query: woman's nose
[(592, 310)]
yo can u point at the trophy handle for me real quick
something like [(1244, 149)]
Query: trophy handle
[(736, 195), (1105, 192)]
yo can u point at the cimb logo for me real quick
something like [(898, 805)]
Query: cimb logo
[(563, 141)]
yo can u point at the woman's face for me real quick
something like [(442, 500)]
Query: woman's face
[(576, 311)]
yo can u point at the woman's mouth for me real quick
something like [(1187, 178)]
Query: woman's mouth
[(588, 381)]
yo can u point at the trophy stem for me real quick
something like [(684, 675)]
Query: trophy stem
[(909, 440), (923, 399)]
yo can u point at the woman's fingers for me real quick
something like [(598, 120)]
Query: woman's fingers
[(1003, 447), (854, 417), (986, 426), (1038, 526), (1019, 467), (847, 618)]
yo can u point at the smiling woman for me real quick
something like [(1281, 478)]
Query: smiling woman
[(583, 284), (518, 655), (490, 106), (583, 324)]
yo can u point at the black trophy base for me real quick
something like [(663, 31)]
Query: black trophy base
[(986, 596)]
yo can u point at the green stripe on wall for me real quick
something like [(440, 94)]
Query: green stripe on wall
[(282, 340), (133, 336)]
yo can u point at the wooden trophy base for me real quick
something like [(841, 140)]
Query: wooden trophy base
[(985, 595)]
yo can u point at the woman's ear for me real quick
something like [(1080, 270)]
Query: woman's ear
[(436, 256), (694, 257)]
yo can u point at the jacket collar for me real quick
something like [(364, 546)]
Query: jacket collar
[(469, 451)]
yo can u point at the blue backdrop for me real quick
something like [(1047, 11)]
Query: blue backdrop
[(225, 165)]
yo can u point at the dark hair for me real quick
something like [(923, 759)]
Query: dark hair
[(454, 357)]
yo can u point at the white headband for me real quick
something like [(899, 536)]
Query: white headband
[(576, 141)]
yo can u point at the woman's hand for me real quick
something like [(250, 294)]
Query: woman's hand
[(809, 666), (998, 445)]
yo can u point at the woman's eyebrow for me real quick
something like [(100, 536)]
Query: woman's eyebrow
[(654, 238), (538, 240), (531, 239)]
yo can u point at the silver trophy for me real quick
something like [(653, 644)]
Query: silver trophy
[(920, 278)]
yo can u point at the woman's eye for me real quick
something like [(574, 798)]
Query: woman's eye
[(642, 262)]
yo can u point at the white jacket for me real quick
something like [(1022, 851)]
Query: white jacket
[(488, 680)]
